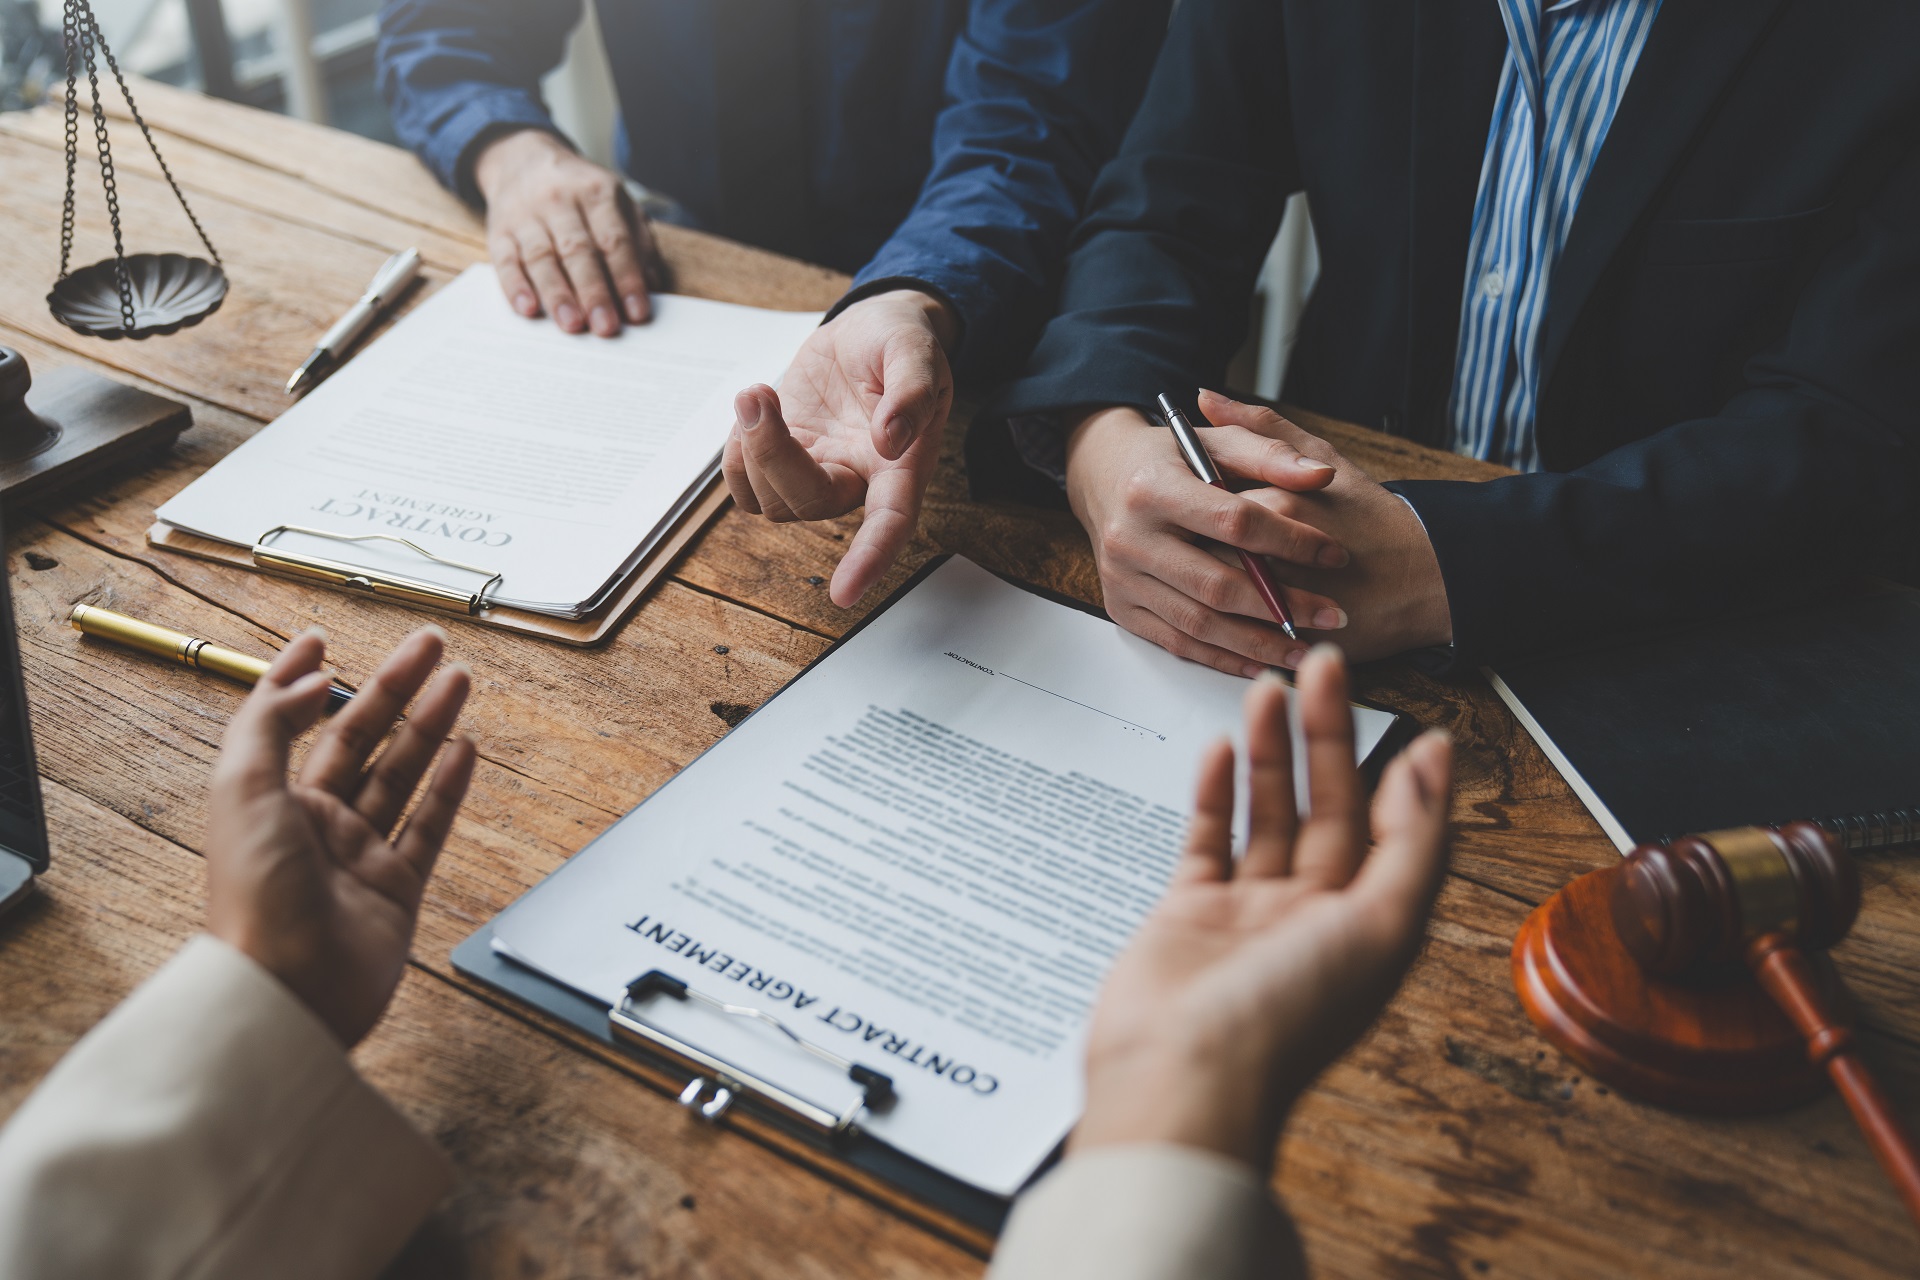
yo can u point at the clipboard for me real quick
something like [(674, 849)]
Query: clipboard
[(343, 575), (830, 1143)]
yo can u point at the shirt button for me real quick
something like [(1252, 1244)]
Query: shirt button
[(1493, 284)]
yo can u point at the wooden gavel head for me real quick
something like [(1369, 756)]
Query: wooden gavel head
[(1700, 900)]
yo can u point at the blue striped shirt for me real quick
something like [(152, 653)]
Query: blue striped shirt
[(1567, 67)]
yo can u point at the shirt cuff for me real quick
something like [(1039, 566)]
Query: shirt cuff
[(1041, 444), (1148, 1212), (489, 112)]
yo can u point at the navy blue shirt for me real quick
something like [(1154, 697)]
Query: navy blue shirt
[(950, 143)]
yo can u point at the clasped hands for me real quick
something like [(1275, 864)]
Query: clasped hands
[(1352, 558)]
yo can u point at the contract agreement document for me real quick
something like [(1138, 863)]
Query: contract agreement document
[(922, 854), (555, 461)]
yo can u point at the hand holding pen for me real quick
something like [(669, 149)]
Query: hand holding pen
[(1199, 461)]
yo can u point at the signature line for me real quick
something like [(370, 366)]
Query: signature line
[(1076, 702)]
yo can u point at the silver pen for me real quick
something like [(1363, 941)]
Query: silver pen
[(388, 284)]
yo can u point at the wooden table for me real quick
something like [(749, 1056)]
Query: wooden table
[(1451, 1142)]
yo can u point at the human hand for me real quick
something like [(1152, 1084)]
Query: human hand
[(564, 237), (857, 421), (1145, 512), (1248, 979), (306, 877), (1391, 586)]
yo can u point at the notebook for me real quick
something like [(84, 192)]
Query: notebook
[(1813, 714), (919, 858), (476, 450)]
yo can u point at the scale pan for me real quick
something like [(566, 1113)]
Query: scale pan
[(170, 292)]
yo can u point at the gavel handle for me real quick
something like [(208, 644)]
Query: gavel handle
[(1782, 969)]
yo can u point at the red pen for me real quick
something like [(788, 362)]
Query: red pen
[(1202, 466)]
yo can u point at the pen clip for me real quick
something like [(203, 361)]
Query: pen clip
[(393, 275), (1198, 459)]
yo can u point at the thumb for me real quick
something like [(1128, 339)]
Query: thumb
[(917, 389), (286, 703)]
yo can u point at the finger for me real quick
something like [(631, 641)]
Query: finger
[(1271, 820), (784, 476), (389, 784), (521, 295), (1410, 829), (426, 831), (1209, 850), (1259, 645), (335, 763), (892, 516), (285, 703), (1334, 837), (1150, 626), (1216, 578), (733, 465), (586, 271), (542, 264), (612, 224), (1254, 441), (1243, 524), (918, 392)]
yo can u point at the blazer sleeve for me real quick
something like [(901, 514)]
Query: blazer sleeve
[(1163, 266), (210, 1127), (454, 72), (1150, 1212), (1039, 94), (1809, 474)]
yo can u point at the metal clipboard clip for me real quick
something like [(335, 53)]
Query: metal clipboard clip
[(726, 1081), (374, 582)]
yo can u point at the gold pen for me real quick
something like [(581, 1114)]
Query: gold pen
[(188, 651)]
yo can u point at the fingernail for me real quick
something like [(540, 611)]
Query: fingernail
[(896, 432), (1312, 464), (1258, 671), (1332, 557), (433, 629), (751, 418), (462, 668), (636, 309), (1325, 651), (1293, 658), (317, 630), (1438, 735), (603, 321), (1271, 676), (567, 316), (526, 305), (1329, 619)]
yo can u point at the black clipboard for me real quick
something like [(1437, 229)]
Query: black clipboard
[(975, 1212)]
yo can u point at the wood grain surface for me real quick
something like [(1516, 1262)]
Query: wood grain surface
[(1451, 1142)]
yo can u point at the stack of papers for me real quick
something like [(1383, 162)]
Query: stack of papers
[(549, 465)]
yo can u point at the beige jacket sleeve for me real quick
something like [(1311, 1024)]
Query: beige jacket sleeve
[(210, 1127), (1150, 1212)]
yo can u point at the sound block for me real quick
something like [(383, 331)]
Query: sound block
[(71, 423), (1716, 1044)]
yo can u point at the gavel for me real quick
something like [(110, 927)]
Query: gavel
[(1762, 897)]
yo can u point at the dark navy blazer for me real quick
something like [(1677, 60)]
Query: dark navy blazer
[(950, 143), (1730, 404)]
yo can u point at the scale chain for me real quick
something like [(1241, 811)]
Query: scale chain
[(70, 44), (90, 38), (113, 65)]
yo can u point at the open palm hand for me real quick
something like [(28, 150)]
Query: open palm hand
[(857, 422), (1251, 976), (308, 877)]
